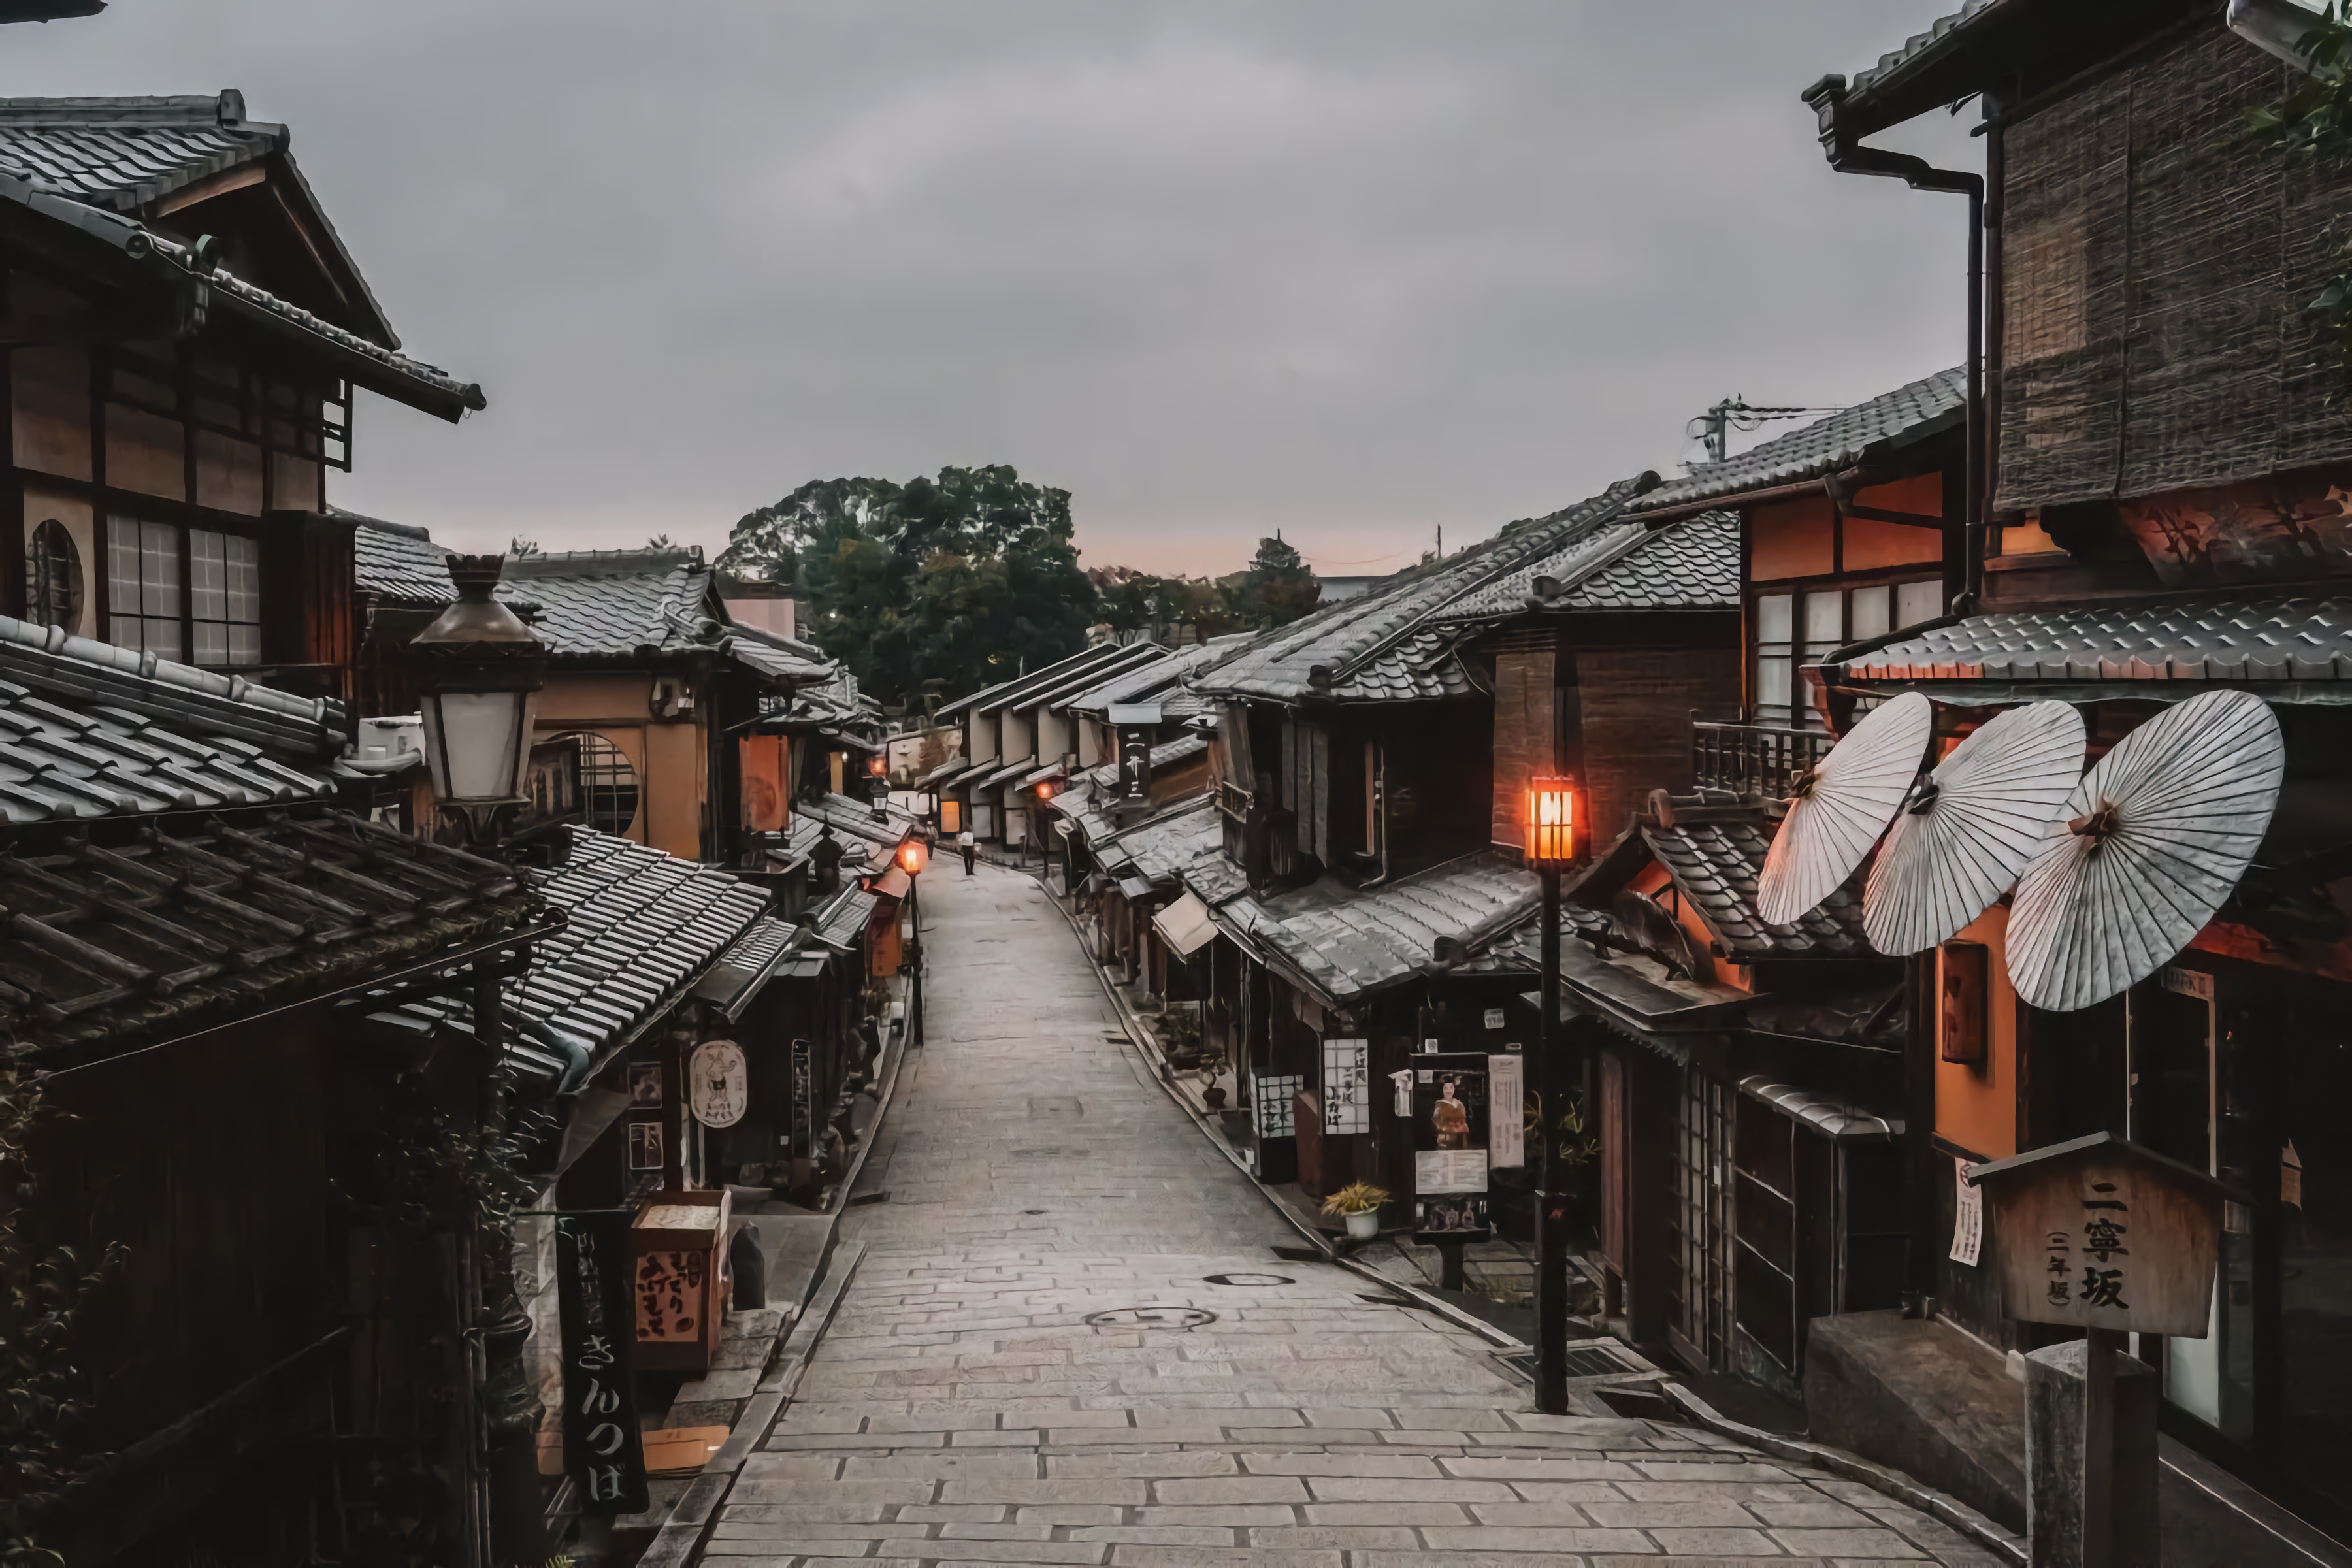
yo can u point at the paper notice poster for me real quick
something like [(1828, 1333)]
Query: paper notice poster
[(1403, 1081), (2290, 1175), (1967, 1218), (1505, 1110), (1449, 1171)]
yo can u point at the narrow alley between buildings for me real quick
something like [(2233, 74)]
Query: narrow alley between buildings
[(1071, 1340)]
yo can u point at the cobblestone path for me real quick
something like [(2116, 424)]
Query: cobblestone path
[(1071, 1343)]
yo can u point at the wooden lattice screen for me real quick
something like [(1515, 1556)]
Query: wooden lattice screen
[(2156, 265)]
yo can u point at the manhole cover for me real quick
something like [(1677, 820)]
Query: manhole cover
[(1152, 1318), (1251, 1280)]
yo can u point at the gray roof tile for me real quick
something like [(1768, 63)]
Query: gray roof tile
[(618, 603), (2200, 637), (1394, 643), (1852, 436), (1716, 866)]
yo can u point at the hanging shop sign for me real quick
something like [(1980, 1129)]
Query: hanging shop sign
[(803, 1134), (602, 1450), (1347, 1085), (1451, 1131), (719, 1083)]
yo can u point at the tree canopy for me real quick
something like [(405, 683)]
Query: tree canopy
[(966, 578)]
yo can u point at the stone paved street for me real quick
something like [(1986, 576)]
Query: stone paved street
[(1037, 1362)]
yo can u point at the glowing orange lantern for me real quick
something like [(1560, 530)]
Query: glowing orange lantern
[(1551, 824)]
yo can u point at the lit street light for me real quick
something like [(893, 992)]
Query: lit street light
[(1551, 849)]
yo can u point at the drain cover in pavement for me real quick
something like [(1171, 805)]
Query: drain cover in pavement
[(1251, 1280), (1152, 1318)]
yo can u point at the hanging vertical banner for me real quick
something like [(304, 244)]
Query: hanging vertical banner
[(1507, 1114), (602, 1450), (766, 795), (1450, 1136), (1347, 1085)]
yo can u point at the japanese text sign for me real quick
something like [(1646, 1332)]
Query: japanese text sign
[(2101, 1234), (602, 1450)]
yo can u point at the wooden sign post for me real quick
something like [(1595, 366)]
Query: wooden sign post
[(2107, 1236)]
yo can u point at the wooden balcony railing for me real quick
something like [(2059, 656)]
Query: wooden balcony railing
[(1754, 760)]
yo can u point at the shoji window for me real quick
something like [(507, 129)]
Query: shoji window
[(224, 596), (142, 585), (1775, 667)]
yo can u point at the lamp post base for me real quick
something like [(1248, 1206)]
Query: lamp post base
[(482, 824)]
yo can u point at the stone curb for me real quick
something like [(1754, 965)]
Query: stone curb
[(1939, 1506)]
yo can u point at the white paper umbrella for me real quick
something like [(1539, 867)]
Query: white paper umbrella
[(2145, 849), (1964, 838), (1841, 807)]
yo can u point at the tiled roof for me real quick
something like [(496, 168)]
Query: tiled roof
[(1715, 866), (2204, 638), (621, 603), (1693, 565), (1386, 644), (1006, 775), (200, 922), (85, 675), (641, 927), (63, 761), (1158, 676), (125, 153), (1858, 435), (740, 970), (1055, 694), (1919, 45), (1019, 685), (399, 565), (778, 657), (856, 818), (842, 923), (1348, 942), (953, 765), (1160, 850)]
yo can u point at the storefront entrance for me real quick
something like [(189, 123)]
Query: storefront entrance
[(2245, 1072)]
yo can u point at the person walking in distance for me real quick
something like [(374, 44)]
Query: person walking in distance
[(971, 847)]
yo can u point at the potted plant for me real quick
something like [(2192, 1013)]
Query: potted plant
[(1358, 1204)]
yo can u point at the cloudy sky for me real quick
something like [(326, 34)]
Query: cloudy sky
[(1352, 270)]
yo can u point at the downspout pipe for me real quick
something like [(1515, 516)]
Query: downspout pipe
[(1848, 157)]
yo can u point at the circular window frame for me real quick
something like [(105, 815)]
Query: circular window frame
[(600, 754), (49, 533)]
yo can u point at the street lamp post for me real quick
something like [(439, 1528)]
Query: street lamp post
[(478, 671), (1551, 849)]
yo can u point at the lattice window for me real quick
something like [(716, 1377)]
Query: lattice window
[(608, 784), (144, 585), (224, 596), (1700, 1221)]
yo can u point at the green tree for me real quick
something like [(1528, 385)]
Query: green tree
[(968, 577), (2313, 124), (1276, 588)]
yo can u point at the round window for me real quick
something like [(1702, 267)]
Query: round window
[(608, 784), (52, 577)]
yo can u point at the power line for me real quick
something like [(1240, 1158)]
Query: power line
[(1736, 413)]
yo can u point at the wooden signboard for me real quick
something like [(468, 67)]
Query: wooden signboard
[(676, 1242), (1966, 989), (600, 1443), (2100, 1233)]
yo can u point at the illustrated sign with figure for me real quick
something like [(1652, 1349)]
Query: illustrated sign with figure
[(1450, 1137), (719, 1083), (602, 1450)]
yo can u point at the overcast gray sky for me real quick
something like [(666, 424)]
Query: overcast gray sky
[(1351, 269)]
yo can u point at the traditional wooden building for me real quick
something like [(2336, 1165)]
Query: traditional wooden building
[(999, 743), (1371, 761), (187, 337), (2164, 442)]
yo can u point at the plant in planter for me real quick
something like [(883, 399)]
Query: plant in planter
[(1358, 1204)]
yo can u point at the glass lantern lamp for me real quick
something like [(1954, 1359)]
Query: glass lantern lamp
[(478, 671), (1551, 824), (913, 855)]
